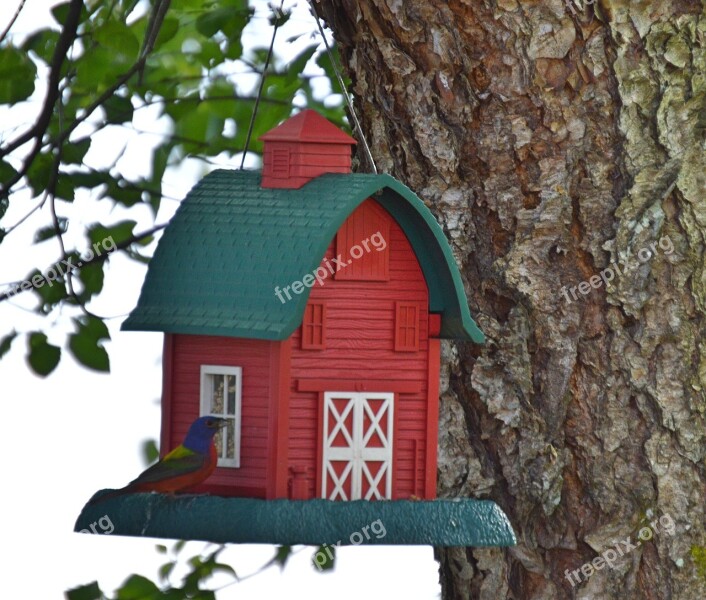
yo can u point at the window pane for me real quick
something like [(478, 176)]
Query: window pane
[(217, 396), (230, 427), (218, 441), (231, 394)]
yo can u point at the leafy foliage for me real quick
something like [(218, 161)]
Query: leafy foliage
[(104, 64), (108, 63), (199, 571), (137, 587)]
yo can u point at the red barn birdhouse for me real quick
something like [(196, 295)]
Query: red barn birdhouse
[(305, 306)]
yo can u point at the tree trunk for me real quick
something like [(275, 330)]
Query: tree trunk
[(561, 147)]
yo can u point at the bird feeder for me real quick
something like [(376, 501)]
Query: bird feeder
[(305, 304)]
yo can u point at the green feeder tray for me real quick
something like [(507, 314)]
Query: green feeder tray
[(452, 522)]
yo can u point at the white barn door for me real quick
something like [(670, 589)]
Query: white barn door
[(357, 446)]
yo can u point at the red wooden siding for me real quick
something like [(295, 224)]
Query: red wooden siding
[(360, 356), (364, 259), (292, 164), (262, 363)]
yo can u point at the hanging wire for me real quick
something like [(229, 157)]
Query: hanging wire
[(349, 101), (278, 19)]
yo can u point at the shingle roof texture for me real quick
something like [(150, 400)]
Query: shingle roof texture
[(232, 242)]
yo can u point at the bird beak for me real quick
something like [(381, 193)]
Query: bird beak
[(221, 423)]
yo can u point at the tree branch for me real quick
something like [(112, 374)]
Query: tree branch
[(12, 21), (155, 24), (26, 285), (66, 40)]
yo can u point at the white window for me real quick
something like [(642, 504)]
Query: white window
[(221, 397)]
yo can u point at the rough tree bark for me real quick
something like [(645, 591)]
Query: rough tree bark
[(553, 143)]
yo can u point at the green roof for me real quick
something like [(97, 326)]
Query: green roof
[(232, 242), (451, 522)]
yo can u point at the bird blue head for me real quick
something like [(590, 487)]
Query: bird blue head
[(201, 433)]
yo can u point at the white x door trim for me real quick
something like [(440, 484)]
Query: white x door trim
[(357, 436)]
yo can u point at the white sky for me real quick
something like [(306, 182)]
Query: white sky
[(77, 431)]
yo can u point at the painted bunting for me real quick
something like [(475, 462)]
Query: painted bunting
[(187, 465)]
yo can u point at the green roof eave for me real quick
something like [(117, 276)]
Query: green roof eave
[(232, 243), (450, 522), (432, 249)]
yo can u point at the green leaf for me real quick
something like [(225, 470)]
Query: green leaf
[(128, 6), (46, 233), (187, 6), (175, 594), (42, 43), (160, 160), (166, 570), (224, 568), (161, 548), (17, 75), (234, 48), (150, 452), (42, 356), (321, 559), (198, 128), (282, 555), (229, 20), (91, 179), (123, 192), (324, 61), (279, 18), (6, 343), (50, 287), (167, 31), (7, 172), (39, 172), (116, 37), (64, 188), (95, 70), (86, 345), (91, 276), (296, 66), (72, 153), (60, 12), (221, 98), (137, 587), (119, 232), (85, 592), (118, 109)]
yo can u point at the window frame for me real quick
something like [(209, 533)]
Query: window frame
[(305, 343), (404, 347), (280, 162), (206, 409)]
